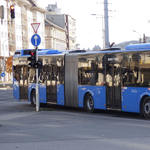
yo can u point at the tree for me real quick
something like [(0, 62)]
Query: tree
[(8, 63)]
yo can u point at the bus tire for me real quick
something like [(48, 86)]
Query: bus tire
[(33, 98), (146, 107), (89, 103)]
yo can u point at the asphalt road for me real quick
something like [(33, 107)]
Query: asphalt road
[(61, 128)]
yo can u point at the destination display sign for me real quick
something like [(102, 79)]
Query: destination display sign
[(113, 59)]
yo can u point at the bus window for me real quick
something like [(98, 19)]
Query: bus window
[(44, 76), (17, 73), (116, 74), (144, 73), (14, 68), (109, 77), (130, 70), (41, 76), (32, 75), (60, 75), (100, 74), (90, 71), (25, 74), (48, 75)]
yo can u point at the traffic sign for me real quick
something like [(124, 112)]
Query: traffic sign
[(35, 26), (3, 74), (36, 40)]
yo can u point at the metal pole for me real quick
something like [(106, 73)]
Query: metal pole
[(107, 44), (4, 64), (4, 67), (37, 84)]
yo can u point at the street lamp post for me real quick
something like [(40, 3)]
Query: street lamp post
[(102, 26), (139, 34), (107, 44)]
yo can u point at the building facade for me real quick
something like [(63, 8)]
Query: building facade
[(16, 33), (57, 31), (69, 24), (71, 32), (55, 36)]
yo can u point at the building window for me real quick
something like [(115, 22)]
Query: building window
[(5, 22), (2, 34)]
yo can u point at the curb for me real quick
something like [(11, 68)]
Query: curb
[(3, 88), (6, 88)]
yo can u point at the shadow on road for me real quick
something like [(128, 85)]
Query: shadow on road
[(107, 113)]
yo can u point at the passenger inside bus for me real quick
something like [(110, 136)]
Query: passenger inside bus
[(92, 79)]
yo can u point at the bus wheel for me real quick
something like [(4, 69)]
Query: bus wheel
[(146, 107), (89, 103), (33, 98)]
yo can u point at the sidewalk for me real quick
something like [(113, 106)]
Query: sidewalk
[(8, 85)]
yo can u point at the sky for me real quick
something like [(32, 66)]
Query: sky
[(124, 17)]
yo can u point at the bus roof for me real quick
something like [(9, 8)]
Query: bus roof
[(143, 46), (47, 52)]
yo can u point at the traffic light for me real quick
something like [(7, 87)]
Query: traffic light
[(32, 58), (39, 64), (2, 12), (12, 11)]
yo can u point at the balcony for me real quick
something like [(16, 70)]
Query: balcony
[(25, 45), (24, 23), (73, 39), (11, 30), (24, 33), (23, 12)]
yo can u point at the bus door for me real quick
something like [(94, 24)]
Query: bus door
[(16, 81), (23, 82), (51, 83), (113, 86)]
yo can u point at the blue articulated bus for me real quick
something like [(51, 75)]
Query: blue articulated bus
[(107, 79)]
